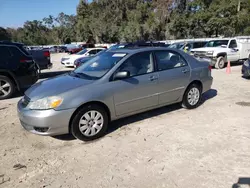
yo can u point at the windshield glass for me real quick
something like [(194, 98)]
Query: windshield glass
[(176, 45), (99, 65), (216, 43), (82, 52)]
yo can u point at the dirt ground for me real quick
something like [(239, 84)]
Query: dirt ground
[(170, 147)]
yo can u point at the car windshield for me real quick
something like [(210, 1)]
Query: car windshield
[(216, 43), (176, 45), (99, 65), (82, 52)]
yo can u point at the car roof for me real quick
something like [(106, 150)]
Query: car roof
[(11, 43), (136, 50), (95, 48)]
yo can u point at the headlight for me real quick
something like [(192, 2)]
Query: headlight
[(63, 59), (246, 63), (210, 53), (46, 103)]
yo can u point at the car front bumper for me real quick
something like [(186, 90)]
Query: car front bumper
[(44, 122)]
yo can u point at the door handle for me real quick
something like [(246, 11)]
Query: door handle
[(153, 78), (185, 70)]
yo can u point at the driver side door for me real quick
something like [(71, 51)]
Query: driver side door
[(138, 92), (233, 54)]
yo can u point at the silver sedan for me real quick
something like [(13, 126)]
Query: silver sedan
[(113, 85)]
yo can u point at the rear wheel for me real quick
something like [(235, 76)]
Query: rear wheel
[(220, 64), (90, 123), (192, 97), (7, 87)]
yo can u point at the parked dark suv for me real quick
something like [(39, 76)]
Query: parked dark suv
[(17, 69)]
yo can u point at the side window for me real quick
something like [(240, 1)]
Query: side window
[(202, 44), (4, 53), (98, 50), (92, 52), (169, 60), (138, 64), (233, 44), (196, 44), (15, 52)]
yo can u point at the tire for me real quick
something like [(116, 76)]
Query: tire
[(89, 124), (7, 87), (220, 64), (186, 101)]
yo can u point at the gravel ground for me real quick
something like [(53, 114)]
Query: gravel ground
[(170, 147)]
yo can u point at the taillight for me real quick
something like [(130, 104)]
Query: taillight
[(46, 53), (210, 67)]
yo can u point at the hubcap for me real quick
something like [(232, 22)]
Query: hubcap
[(221, 64), (5, 88), (91, 123), (193, 96)]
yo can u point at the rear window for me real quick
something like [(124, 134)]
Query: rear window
[(23, 49)]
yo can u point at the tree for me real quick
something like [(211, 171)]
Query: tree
[(4, 35)]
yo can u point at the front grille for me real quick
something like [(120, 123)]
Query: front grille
[(25, 101), (200, 54)]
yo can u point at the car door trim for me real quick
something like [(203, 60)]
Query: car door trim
[(139, 98), (176, 89)]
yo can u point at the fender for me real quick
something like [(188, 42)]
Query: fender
[(224, 54), (12, 76)]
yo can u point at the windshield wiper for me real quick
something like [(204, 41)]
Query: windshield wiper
[(85, 76)]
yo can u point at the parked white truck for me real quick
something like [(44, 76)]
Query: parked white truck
[(220, 51)]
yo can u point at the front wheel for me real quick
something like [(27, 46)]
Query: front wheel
[(90, 123), (220, 64), (192, 97)]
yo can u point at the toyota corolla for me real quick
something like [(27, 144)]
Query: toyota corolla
[(113, 85)]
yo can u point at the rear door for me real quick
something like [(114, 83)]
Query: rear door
[(174, 74)]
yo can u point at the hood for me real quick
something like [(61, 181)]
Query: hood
[(205, 49), (55, 86)]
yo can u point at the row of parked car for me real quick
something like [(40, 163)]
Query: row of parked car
[(217, 52)]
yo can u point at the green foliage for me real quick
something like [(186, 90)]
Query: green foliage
[(4, 35), (131, 20)]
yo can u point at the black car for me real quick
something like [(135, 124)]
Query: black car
[(246, 69), (17, 69)]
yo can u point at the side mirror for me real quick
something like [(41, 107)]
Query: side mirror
[(121, 75), (223, 46)]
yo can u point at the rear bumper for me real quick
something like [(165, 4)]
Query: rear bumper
[(45, 122), (207, 84)]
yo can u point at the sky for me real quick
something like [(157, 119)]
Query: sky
[(13, 13)]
